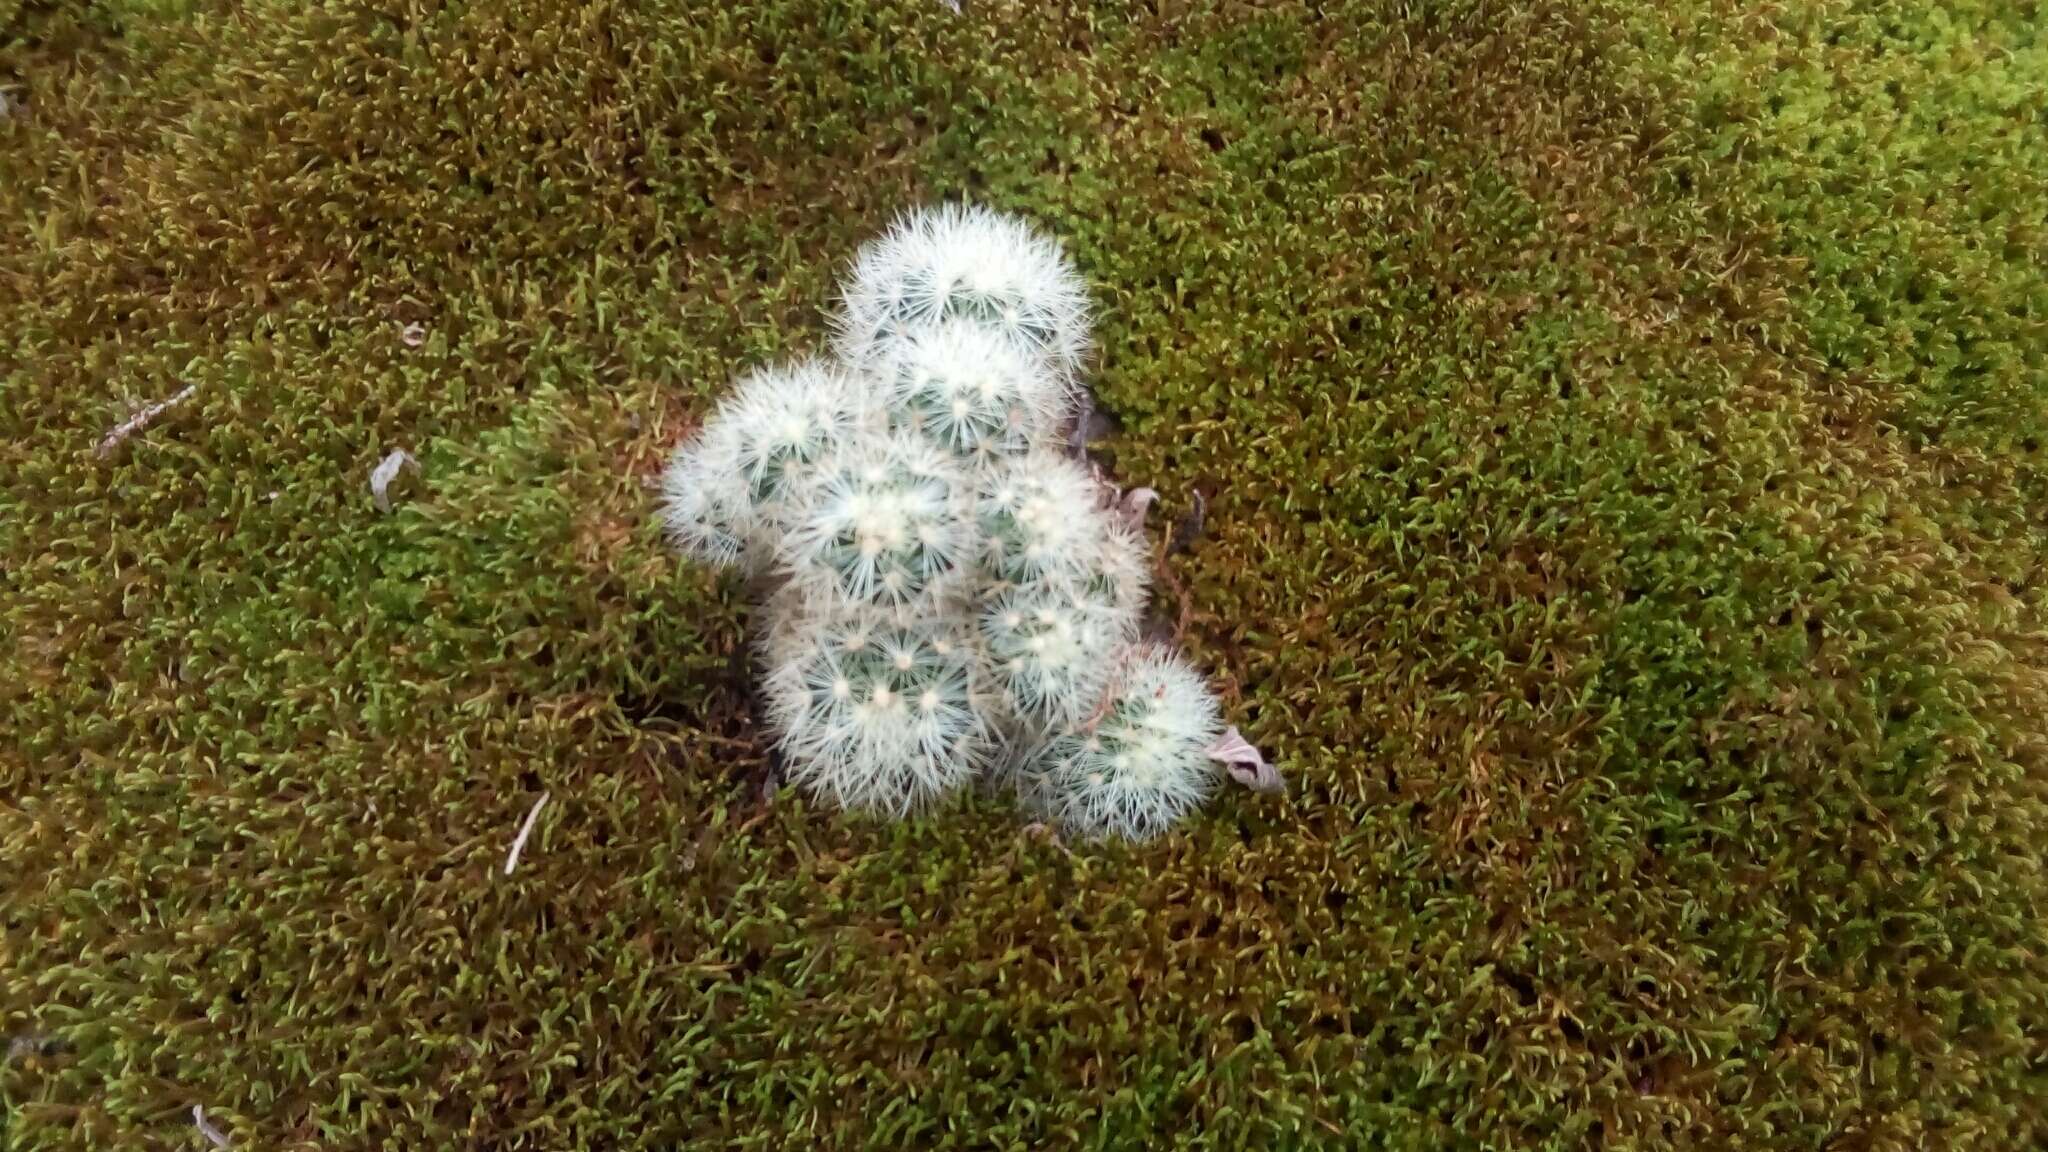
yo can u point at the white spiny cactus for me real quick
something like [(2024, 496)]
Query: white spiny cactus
[(782, 622), (1050, 648), (730, 492), (1141, 764), (706, 507), (791, 422), (1041, 517), (971, 392), (882, 524), (945, 592), (875, 716), (1123, 571), (973, 264)]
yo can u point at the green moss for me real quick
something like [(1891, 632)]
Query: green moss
[(1621, 433)]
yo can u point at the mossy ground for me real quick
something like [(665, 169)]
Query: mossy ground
[(1621, 428)]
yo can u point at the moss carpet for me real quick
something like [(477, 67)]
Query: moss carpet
[(1620, 428)]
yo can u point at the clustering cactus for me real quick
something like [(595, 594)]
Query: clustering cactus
[(1050, 648), (948, 595), (882, 525)]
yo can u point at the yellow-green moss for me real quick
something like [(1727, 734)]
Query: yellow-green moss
[(1621, 432)]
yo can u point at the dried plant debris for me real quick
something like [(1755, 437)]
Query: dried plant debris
[(385, 473), (212, 1135), (1244, 763), (142, 419)]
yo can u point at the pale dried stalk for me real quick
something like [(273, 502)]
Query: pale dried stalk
[(525, 830), (141, 420)]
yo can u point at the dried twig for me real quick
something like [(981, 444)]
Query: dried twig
[(525, 830), (1189, 528), (141, 420), (1077, 439), (1184, 617), (1091, 425)]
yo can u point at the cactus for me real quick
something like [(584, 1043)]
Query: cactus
[(882, 525), (972, 264), (730, 492), (971, 393), (1142, 764), (1050, 647), (1042, 517), (875, 716), (945, 594), (707, 510)]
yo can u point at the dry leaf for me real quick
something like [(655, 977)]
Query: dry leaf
[(1135, 504), (387, 471), (1244, 763)]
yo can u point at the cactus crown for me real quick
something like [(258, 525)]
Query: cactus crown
[(969, 392), (788, 423), (1050, 649), (882, 525), (708, 513), (1041, 518), (968, 264), (875, 716), (729, 493)]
